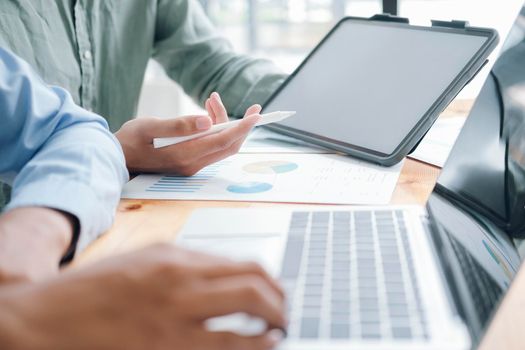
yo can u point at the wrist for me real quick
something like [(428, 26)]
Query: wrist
[(32, 242)]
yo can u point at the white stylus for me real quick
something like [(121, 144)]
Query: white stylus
[(266, 119)]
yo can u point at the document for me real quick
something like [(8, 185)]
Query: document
[(287, 178), (438, 142)]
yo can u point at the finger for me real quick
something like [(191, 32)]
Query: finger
[(231, 341), (210, 266), (228, 295), (204, 146), (208, 158), (218, 108), (210, 149), (210, 111), (227, 268), (199, 153), (157, 127), (255, 109)]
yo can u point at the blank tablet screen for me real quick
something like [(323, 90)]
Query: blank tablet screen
[(368, 85)]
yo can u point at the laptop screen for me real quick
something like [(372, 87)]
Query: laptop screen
[(486, 167), (478, 201)]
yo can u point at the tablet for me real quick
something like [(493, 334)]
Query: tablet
[(373, 87)]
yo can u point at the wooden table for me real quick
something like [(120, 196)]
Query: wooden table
[(142, 222)]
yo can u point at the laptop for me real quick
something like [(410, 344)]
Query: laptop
[(398, 277)]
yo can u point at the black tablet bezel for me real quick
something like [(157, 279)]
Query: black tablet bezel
[(420, 129)]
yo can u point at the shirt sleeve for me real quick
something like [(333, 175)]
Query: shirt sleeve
[(56, 154), (201, 61)]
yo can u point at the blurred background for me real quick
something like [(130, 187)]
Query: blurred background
[(286, 30)]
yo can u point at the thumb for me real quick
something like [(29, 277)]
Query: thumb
[(255, 109), (180, 126)]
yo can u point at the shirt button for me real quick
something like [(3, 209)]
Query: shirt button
[(87, 55)]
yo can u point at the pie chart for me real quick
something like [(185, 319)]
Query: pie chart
[(250, 187), (270, 167)]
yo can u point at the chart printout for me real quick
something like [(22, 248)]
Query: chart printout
[(288, 178)]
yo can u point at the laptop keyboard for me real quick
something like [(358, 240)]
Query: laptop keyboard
[(485, 291), (350, 275)]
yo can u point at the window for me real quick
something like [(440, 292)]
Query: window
[(286, 30)]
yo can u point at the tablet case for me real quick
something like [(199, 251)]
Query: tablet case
[(412, 140)]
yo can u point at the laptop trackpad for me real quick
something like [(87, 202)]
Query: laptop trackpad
[(239, 234)]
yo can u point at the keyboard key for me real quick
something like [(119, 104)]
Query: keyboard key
[(341, 266), (367, 270), (398, 310), (312, 311), (368, 298), (401, 332), (392, 269), (318, 245), (318, 261), (368, 304), (340, 315), (341, 248), (318, 238), (395, 288), (370, 331), (317, 253), (300, 215), (368, 283), (400, 321), (342, 278), (341, 215), (341, 305), (310, 327), (368, 316), (314, 291), (315, 270), (340, 295), (314, 301), (363, 215), (396, 297), (341, 259), (292, 258), (314, 280), (341, 283), (340, 331)]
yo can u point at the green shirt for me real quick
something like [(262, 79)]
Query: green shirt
[(98, 50)]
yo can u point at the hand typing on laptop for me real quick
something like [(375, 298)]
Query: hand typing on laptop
[(186, 158), (158, 298)]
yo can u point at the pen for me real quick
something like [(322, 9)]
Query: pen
[(265, 119)]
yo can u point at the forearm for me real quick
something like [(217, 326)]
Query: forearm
[(32, 242), (55, 154), (201, 61), (81, 170)]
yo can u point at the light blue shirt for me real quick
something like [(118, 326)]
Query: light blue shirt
[(56, 154)]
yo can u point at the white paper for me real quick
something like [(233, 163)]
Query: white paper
[(289, 178), (263, 140), (438, 142)]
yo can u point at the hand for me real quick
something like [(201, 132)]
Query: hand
[(186, 158), (157, 298), (32, 243)]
